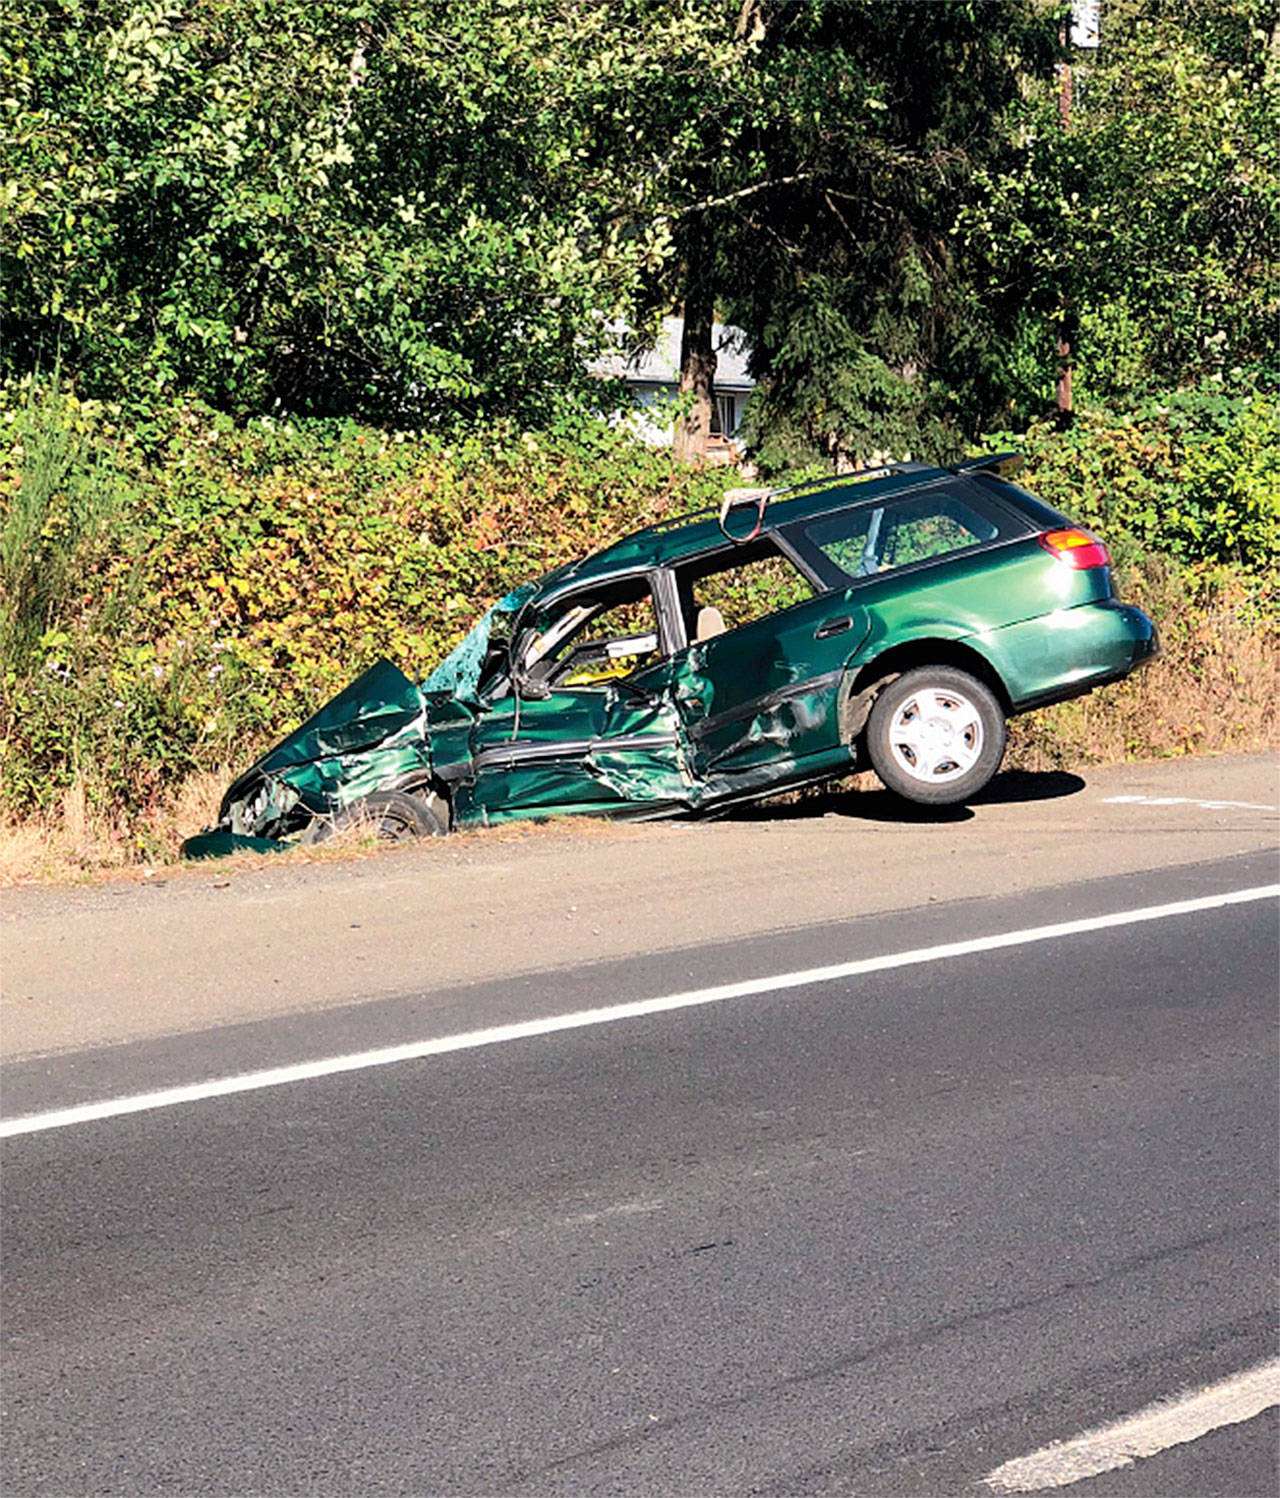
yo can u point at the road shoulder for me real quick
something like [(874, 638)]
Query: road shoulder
[(86, 968)]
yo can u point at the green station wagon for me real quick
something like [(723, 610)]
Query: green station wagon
[(892, 619)]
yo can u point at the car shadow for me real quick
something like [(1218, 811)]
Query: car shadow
[(1011, 787)]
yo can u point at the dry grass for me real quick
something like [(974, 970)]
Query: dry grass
[(76, 842), (1217, 690), (75, 846)]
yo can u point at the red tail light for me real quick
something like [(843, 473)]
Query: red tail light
[(1077, 549)]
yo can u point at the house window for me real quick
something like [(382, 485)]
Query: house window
[(724, 415)]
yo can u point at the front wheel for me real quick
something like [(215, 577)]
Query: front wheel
[(394, 816), (936, 735)]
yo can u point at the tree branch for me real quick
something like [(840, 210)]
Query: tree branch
[(743, 192), (840, 216)]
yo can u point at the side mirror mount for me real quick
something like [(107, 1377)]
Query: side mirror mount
[(532, 689)]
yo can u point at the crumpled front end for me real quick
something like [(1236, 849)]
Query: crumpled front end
[(370, 736)]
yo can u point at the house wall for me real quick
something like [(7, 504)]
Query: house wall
[(652, 423)]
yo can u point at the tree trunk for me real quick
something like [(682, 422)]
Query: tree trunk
[(697, 354)]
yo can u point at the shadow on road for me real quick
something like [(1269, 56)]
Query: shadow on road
[(1009, 788), (1029, 785)]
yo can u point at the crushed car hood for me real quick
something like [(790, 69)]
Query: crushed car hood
[(375, 708)]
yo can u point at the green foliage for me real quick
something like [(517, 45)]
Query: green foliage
[(1230, 509), (394, 211), (829, 398), (63, 495), (817, 197), (427, 212), (239, 576), (1147, 230)]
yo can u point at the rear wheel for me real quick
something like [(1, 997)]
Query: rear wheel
[(395, 817), (936, 735)]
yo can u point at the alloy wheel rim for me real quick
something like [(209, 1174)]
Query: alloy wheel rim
[(936, 735)]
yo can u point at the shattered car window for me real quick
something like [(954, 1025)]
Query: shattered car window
[(461, 672)]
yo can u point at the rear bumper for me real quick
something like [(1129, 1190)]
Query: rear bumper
[(1072, 651)]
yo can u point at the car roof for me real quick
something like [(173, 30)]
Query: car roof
[(671, 542)]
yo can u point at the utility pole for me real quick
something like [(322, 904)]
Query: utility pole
[(1064, 343), (1086, 26)]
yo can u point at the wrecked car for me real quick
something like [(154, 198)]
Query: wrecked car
[(892, 619)]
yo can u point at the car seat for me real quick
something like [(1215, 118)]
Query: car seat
[(710, 624)]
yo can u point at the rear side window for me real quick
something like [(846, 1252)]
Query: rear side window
[(738, 586), (1043, 516), (873, 539)]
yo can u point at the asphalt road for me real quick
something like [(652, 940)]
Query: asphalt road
[(872, 1235)]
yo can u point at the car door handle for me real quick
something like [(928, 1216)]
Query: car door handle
[(830, 627)]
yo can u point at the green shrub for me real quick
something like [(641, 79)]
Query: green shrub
[(1230, 506), (63, 498), (1195, 475)]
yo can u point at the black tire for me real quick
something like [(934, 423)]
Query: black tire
[(956, 747), (396, 817)]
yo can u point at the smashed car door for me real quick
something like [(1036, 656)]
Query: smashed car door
[(757, 687), (592, 723)]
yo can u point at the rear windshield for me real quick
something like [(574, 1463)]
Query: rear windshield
[(873, 539)]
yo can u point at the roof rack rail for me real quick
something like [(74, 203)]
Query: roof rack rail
[(707, 512), (763, 496), (836, 480)]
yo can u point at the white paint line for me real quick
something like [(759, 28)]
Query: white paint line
[(281, 1076), (1186, 801), (1147, 1433)]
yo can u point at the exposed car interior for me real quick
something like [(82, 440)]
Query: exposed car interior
[(709, 624), (590, 640), (736, 586)]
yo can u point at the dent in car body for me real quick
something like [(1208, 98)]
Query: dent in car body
[(602, 748)]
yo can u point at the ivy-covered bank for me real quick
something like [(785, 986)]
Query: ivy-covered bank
[(178, 592)]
